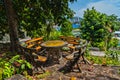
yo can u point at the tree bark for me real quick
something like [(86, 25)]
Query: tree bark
[(13, 24)]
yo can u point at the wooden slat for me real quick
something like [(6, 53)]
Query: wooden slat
[(72, 42), (33, 40), (71, 47), (42, 58), (38, 48), (63, 38), (34, 43), (31, 45)]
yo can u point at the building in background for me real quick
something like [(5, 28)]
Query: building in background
[(75, 22)]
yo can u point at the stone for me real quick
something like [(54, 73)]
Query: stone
[(17, 77)]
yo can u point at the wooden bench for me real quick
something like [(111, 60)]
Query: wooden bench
[(36, 40), (72, 41), (34, 43), (71, 62), (37, 59), (34, 53), (74, 58)]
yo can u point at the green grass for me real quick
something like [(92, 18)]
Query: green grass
[(110, 59), (103, 60)]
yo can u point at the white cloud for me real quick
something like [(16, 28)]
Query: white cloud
[(108, 7)]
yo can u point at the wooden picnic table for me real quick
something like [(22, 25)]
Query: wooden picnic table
[(54, 49)]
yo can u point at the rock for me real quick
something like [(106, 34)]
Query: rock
[(17, 77)]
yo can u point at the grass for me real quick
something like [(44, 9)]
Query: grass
[(103, 60), (107, 60)]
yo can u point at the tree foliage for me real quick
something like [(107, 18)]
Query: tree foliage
[(3, 21), (97, 27), (38, 16), (34, 16), (66, 28)]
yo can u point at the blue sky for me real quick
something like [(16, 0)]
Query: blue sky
[(108, 7)]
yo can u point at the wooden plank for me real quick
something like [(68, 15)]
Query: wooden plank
[(38, 48), (42, 58), (74, 43), (33, 40), (31, 45)]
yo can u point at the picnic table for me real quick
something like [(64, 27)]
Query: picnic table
[(54, 49)]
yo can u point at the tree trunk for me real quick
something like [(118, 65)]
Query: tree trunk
[(13, 24)]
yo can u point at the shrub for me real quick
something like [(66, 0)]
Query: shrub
[(113, 43), (10, 68)]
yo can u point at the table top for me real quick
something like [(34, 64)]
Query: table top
[(53, 44)]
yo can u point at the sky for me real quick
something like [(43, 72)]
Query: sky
[(108, 7)]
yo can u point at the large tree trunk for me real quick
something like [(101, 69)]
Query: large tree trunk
[(13, 24)]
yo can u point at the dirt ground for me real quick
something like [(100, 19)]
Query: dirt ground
[(89, 72)]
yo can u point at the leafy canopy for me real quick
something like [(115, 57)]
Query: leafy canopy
[(37, 16), (97, 27)]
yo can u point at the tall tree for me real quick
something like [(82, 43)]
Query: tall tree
[(12, 23), (33, 16), (97, 27)]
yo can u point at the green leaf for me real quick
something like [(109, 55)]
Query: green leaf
[(23, 66), (29, 65)]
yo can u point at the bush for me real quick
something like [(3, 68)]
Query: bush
[(113, 54), (113, 43), (100, 45), (66, 28), (9, 66), (111, 58)]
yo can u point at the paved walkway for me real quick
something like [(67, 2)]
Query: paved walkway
[(21, 40), (97, 53)]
